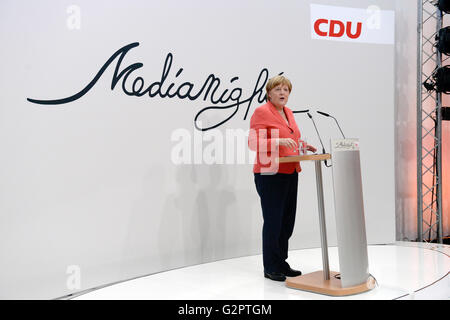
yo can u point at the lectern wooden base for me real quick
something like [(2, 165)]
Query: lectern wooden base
[(315, 282)]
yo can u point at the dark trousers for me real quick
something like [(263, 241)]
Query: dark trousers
[(278, 194)]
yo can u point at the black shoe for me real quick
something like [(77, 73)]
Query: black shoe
[(292, 273), (276, 276)]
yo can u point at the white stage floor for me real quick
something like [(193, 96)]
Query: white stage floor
[(403, 270)]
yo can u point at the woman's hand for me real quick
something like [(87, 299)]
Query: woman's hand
[(310, 148), (287, 142)]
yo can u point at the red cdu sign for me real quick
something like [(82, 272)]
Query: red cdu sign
[(357, 25), (337, 28)]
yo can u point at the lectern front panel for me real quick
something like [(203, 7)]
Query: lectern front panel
[(349, 211)]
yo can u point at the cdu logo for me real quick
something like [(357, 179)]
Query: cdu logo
[(369, 25), (337, 28)]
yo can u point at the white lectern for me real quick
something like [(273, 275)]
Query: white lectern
[(352, 245)]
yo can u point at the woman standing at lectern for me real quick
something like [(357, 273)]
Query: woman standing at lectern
[(274, 133)]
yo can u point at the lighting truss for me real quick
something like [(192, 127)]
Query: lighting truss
[(429, 126)]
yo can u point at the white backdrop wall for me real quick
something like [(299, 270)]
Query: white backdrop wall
[(89, 190)]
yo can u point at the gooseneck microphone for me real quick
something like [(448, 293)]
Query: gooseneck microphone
[(300, 111), (320, 139), (328, 115), (317, 131)]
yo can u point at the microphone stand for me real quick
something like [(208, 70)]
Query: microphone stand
[(328, 115), (317, 131)]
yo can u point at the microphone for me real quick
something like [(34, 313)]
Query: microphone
[(301, 111), (317, 131), (327, 115)]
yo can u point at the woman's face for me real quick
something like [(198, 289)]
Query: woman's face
[(279, 95)]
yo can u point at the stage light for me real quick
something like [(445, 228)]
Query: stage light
[(441, 81), (446, 113), (443, 40), (444, 5)]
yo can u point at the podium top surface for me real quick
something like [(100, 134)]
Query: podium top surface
[(307, 157)]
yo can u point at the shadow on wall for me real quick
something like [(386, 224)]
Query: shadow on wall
[(200, 220), (190, 214), (207, 217)]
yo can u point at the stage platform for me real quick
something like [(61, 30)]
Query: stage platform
[(403, 270)]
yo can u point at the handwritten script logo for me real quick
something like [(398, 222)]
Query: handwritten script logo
[(221, 99), (346, 145)]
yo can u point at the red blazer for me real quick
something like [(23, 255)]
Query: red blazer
[(265, 124)]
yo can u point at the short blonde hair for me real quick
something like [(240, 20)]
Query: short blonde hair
[(276, 81)]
